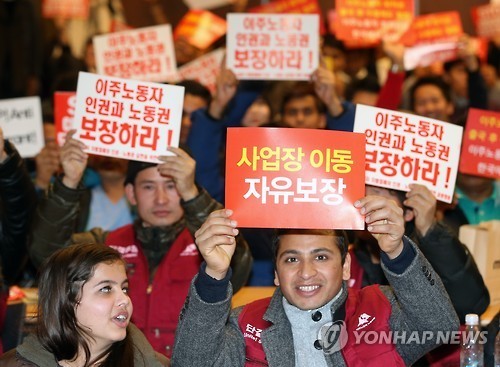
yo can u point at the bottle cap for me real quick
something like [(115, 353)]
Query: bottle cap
[(471, 319)]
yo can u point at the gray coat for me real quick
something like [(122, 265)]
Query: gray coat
[(208, 333)]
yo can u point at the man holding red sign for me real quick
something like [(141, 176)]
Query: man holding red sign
[(311, 269)]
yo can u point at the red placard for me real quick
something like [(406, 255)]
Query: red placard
[(433, 28), (481, 149), (486, 19), (295, 178), (65, 9), (200, 28), (291, 7), (370, 21), (64, 114)]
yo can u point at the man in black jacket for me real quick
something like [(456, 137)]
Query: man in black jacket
[(17, 200)]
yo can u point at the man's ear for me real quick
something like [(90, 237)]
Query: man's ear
[(276, 279), (346, 268), (408, 215), (450, 109), (129, 192)]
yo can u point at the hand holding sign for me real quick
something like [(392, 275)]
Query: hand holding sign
[(216, 242), (73, 160), (423, 204), (47, 164), (384, 219), (226, 86), (324, 85), (181, 168)]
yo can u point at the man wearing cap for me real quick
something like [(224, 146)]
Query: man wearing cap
[(159, 248)]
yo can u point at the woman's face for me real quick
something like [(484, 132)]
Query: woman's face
[(105, 308)]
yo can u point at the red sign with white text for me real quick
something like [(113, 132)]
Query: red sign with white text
[(272, 46), (64, 113), (487, 20), (372, 21), (291, 7), (481, 146), (200, 28), (431, 38), (402, 148), (295, 178), (127, 119), (433, 28), (65, 9)]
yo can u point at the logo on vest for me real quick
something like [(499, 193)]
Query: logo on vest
[(251, 332), (190, 250), (127, 252), (364, 320)]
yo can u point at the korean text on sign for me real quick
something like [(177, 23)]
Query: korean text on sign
[(126, 118), (143, 54), (272, 46), (317, 172), (402, 148), (481, 149)]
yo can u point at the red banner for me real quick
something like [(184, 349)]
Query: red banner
[(65, 9), (480, 149), (370, 21), (64, 114), (200, 28), (486, 19), (433, 28), (295, 178), (291, 7)]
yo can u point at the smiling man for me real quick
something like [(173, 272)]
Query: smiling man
[(312, 267), (158, 247)]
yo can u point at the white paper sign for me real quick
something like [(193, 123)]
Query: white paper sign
[(402, 148), (142, 54), (126, 118), (22, 123), (207, 4), (204, 69), (425, 55), (272, 46)]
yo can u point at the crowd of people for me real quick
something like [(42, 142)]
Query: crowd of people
[(136, 263)]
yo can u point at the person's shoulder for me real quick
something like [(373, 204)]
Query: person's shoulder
[(11, 359)]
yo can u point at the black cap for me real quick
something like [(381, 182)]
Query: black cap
[(134, 167)]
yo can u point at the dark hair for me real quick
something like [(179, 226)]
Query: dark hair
[(134, 167), (61, 281), (436, 81), (368, 84), (448, 65), (340, 238), (302, 90), (196, 89), (331, 41)]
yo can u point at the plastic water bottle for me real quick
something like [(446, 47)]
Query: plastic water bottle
[(471, 354), (497, 349)]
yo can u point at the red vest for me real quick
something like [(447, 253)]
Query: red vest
[(369, 302), (157, 305), (443, 356), (357, 272)]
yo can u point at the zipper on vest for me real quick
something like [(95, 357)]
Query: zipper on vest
[(256, 362), (149, 289)]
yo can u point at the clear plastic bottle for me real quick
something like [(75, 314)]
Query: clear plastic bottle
[(497, 348), (471, 353)]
